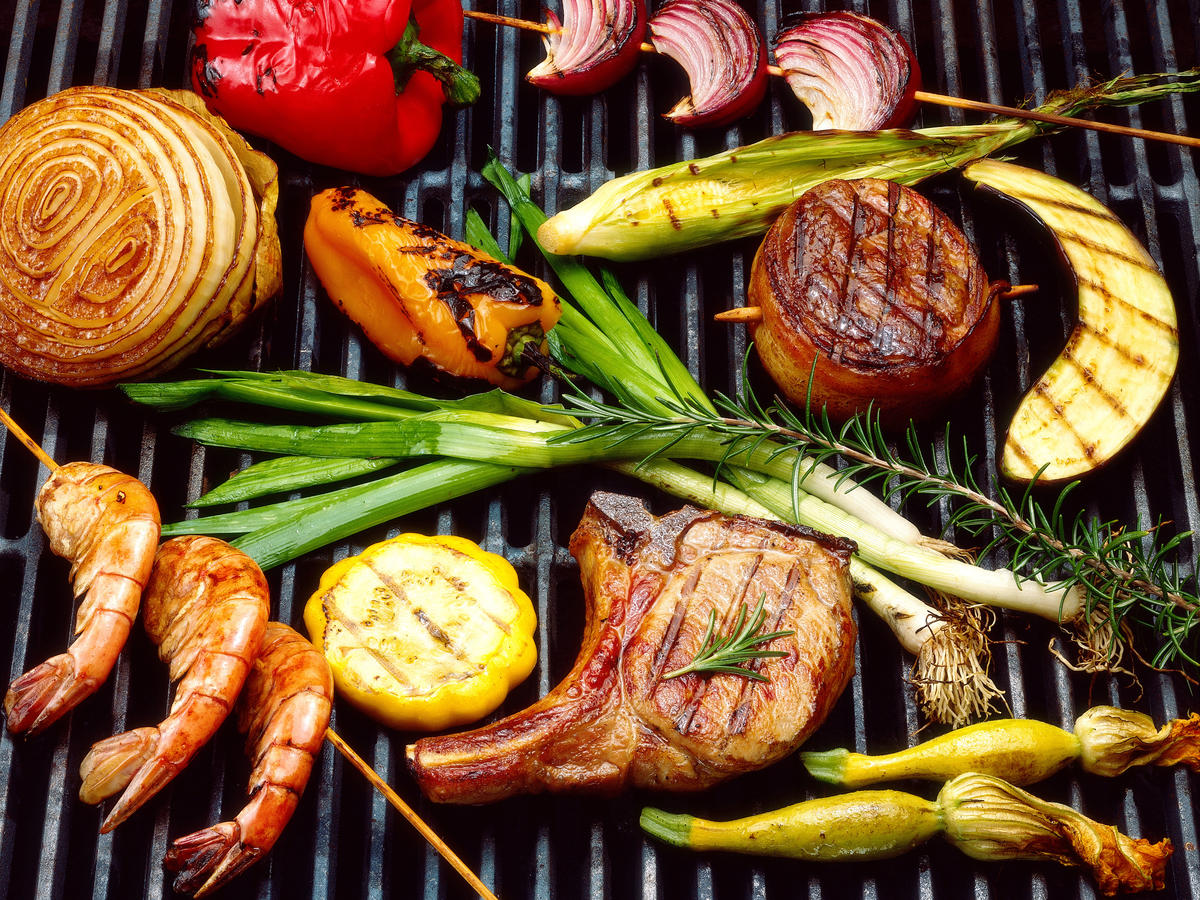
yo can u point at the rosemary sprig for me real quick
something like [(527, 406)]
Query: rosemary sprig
[(725, 654), (1130, 576)]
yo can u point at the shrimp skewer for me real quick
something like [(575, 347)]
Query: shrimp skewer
[(284, 711), (107, 524), (206, 606)]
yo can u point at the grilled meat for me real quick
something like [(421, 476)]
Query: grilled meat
[(874, 285), (615, 721)]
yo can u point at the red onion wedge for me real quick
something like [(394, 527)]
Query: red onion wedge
[(720, 48), (853, 73), (596, 43)]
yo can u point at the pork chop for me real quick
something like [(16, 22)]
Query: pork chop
[(615, 721)]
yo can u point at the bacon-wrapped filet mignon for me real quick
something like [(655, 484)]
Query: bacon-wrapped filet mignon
[(615, 721), (880, 288)]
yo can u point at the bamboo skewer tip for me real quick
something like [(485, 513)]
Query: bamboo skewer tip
[(30, 444), (741, 314)]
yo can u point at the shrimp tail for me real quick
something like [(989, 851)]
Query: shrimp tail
[(45, 693), (154, 774), (110, 764), (195, 856)]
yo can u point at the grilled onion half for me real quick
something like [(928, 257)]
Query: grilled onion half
[(133, 231)]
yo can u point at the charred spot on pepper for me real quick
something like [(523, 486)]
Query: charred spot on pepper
[(419, 229), (206, 71), (359, 218), (258, 80), (464, 316), (201, 11), (343, 199)]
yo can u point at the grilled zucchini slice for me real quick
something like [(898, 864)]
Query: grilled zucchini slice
[(423, 633), (1122, 353)]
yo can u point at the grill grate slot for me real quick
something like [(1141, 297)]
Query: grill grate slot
[(344, 841)]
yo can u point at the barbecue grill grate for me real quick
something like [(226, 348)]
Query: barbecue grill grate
[(344, 841)]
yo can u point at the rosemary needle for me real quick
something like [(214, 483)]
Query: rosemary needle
[(725, 654)]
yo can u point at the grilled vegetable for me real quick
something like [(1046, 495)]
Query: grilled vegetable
[(982, 816), (871, 298), (1120, 357), (596, 43), (419, 295), (851, 72), (423, 632), (134, 230), (1106, 741), (720, 48), (360, 90), (863, 825)]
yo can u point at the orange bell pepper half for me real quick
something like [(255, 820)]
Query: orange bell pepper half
[(418, 294)]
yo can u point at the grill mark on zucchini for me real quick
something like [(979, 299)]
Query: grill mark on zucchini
[(1101, 249), (1145, 316), (1042, 390), (1089, 376), (1034, 201), (1104, 337)]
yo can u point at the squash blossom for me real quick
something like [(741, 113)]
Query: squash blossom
[(423, 633)]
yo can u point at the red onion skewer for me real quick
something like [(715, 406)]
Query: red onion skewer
[(920, 96)]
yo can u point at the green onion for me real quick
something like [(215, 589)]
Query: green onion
[(288, 473), (336, 515)]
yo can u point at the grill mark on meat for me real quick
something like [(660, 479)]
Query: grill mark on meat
[(888, 307), (850, 285), (741, 713), (687, 715), (671, 637)]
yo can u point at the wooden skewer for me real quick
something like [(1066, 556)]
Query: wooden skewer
[(740, 314), (34, 447), (1019, 290), (347, 751), (979, 105), (407, 811), (743, 314), (923, 96)]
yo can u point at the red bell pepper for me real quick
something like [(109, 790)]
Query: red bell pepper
[(355, 85)]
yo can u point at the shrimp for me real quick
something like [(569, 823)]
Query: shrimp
[(283, 711), (106, 523), (206, 606)]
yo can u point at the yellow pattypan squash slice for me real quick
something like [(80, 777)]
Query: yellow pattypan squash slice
[(424, 633)]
